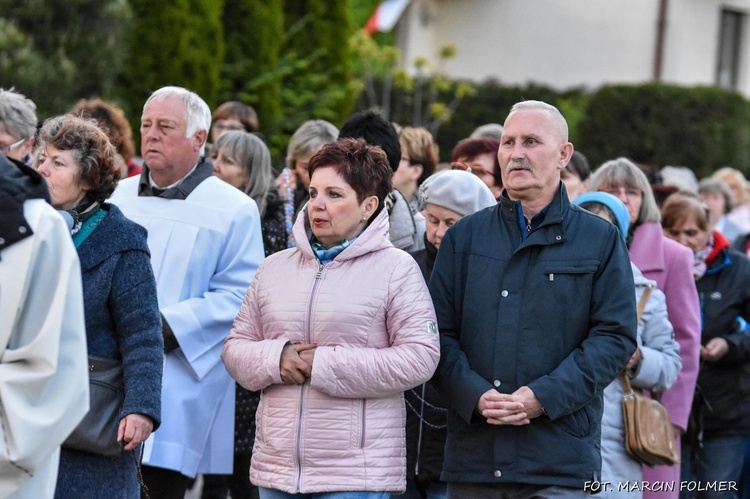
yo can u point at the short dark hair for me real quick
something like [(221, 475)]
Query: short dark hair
[(377, 131), (362, 166), (90, 147), (243, 113), (680, 205), (471, 148), (579, 165)]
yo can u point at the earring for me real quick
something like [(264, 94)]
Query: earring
[(364, 219)]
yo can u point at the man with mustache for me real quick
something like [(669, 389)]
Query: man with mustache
[(536, 311)]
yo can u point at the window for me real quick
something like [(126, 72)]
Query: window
[(730, 39)]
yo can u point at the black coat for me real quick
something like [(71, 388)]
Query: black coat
[(722, 398), (555, 312), (426, 413)]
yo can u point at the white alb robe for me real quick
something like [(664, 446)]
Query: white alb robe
[(204, 250), (44, 387)]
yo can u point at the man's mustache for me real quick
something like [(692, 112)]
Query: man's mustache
[(519, 165)]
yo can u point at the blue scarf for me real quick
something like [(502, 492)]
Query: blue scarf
[(327, 255)]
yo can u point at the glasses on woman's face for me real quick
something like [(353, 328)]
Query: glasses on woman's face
[(10, 147), (475, 168), (225, 127), (629, 192), (675, 233)]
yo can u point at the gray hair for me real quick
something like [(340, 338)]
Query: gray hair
[(17, 114), (488, 131), (197, 112), (253, 156), (710, 184), (623, 172), (308, 138), (729, 172), (558, 118)]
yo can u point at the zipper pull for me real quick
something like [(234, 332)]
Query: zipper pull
[(319, 273)]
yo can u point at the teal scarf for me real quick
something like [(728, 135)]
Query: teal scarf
[(88, 227)]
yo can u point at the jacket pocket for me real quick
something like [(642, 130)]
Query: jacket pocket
[(576, 423), (357, 426), (586, 266)]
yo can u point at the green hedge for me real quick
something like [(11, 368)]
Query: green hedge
[(702, 128)]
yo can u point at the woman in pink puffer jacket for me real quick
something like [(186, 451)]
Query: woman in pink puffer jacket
[(333, 332)]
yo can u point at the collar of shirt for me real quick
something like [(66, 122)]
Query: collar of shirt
[(529, 226), (180, 189)]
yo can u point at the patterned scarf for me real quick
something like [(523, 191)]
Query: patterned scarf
[(326, 255)]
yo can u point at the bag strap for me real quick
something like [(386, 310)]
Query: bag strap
[(643, 301), (624, 378)]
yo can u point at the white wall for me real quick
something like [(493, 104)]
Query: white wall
[(571, 43)]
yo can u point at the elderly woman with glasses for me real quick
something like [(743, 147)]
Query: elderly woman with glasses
[(333, 331), (479, 156), (233, 116), (670, 265), (713, 447), (122, 316)]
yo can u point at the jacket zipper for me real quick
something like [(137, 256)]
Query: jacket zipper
[(308, 338), (364, 425), (421, 425)]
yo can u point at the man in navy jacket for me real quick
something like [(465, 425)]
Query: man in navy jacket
[(536, 310)]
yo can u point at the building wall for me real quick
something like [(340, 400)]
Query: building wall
[(571, 43)]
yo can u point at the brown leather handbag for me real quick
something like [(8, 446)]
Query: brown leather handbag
[(649, 436)]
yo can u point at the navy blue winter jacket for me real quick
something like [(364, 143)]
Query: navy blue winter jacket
[(556, 313)]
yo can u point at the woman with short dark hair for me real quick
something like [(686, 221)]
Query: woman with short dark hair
[(334, 331), (479, 156), (119, 291)]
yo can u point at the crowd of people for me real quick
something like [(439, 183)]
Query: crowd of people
[(367, 321)]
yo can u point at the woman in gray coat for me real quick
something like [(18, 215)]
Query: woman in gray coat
[(654, 365)]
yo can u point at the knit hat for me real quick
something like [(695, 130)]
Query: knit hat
[(616, 206), (458, 191)]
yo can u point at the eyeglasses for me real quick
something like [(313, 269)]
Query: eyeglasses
[(628, 191), (221, 126), (9, 148), (475, 169), (687, 232)]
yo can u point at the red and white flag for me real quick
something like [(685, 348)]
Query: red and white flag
[(386, 16)]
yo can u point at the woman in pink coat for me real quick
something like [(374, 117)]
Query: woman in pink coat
[(667, 263), (333, 332)]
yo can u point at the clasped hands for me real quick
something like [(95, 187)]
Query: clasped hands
[(296, 363), (517, 408)]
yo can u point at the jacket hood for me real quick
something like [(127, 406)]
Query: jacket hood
[(20, 182), (375, 237)]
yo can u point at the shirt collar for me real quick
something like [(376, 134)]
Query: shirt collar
[(180, 189)]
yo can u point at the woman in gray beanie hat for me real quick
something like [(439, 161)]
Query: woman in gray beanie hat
[(447, 196)]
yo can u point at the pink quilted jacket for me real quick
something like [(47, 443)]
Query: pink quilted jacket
[(371, 316)]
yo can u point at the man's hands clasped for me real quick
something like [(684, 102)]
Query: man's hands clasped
[(517, 408)]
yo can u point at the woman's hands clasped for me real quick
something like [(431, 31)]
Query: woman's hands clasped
[(296, 363)]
